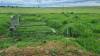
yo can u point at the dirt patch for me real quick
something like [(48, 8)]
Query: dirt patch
[(48, 49)]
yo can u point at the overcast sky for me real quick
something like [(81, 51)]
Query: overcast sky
[(52, 3)]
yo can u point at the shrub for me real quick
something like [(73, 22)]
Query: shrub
[(77, 29), (64, 22), (54, 24)]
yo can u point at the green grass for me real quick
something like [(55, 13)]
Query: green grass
[(90, 44), (83, 20), (50, 10)]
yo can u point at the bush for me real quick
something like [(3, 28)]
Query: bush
[(77, 29), (64, 22), (54, 24)]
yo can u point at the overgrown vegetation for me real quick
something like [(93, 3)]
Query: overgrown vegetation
[(68, 27)]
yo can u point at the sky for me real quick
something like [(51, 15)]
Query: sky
[(49, 3)]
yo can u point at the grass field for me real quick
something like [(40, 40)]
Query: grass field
[(50, 10), (77, 32)]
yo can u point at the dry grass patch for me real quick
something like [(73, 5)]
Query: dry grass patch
[(52, 48)]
